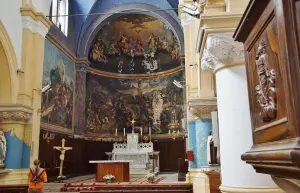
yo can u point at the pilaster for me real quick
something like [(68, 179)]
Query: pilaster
[(35, 28), (15, 122), (80, 118)]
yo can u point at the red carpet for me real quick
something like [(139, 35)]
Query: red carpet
[(92, 185)]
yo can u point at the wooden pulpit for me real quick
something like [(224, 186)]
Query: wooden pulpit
[(269, 31)]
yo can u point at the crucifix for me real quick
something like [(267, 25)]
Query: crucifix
[(132, 124), (62, 150)]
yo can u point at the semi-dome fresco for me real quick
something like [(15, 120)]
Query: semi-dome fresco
[(135, 44)]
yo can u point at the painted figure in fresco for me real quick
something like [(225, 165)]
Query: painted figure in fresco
[(139, 47), (152, 44), (2, 149), (124, 44), (165, 44)]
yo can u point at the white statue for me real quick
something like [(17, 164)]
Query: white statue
[(2, 149)]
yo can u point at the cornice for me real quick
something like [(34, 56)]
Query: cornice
[(14, 113), (66, 51), (37, 16), (135, 76), (55, 128), (35, 21)]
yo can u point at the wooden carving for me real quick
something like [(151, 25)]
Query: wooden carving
[(265, 91)]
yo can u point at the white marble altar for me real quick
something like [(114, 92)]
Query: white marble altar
[(137, 153)]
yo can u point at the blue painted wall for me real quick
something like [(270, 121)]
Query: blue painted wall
[(192, 142), (198, 133), (17, 152), (203, 128)]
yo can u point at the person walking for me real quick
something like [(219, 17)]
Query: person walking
[(37, 177)]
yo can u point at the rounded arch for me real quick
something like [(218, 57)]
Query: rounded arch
[(9, 68), (90, 33)]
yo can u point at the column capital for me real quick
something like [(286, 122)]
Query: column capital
[(220, 50), (14, 113), (36, 22), (34, 26), (203, 107), (82, 67)]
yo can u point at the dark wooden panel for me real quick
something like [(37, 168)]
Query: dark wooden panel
[(119, 170), (172, 155), (272, 45)]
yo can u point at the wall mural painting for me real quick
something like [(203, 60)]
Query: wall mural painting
[(135, 44), (57, 101), (112, 103)]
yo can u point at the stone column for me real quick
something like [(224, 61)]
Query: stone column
[(80, 118), (225, 57)]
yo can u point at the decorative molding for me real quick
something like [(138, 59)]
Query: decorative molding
[(37, 16), (202, 107), (34, 26), (135, 76), (265, 91), (226, 66), (288, 185), (66, 51), (203, 112), (13, 113), (82, 68), (220, 49), (231, 189)]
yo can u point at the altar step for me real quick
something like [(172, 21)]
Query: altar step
[(145, 188), (137, 171)]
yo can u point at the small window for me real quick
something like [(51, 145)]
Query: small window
[(59, 14)]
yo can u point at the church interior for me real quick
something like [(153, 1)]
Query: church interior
[(150, 95)]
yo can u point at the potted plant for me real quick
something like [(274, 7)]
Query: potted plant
[(150, 177), (108, 178)]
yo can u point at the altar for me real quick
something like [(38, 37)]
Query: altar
[(120, 169), (142, 157)]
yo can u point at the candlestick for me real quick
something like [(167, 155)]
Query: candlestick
[(124, 132)]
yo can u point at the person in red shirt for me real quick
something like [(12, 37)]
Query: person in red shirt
[(37, 177)]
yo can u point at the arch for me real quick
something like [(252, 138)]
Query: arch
[(90, 33), (8, 68)]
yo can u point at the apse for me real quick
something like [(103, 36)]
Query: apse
[(134, 62)]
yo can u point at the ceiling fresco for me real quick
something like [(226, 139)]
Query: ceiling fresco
[(135, 44)]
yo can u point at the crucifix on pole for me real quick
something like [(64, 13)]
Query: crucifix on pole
[(132, 124), (62, 150)]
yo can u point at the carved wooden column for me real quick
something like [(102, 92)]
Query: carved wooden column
[(225, 58), (80, 119)]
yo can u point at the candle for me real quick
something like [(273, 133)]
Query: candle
[(169, 132), (150, 131), (141, 131), (116, 132), (124, 132)]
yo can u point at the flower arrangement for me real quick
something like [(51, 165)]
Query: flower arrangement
[(109, 178), (150, 177)]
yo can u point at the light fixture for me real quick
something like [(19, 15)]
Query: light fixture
[(178, 84), (174, 126), (46, 88), (192, 9), (48, 137)]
